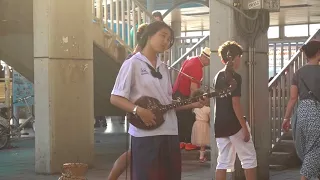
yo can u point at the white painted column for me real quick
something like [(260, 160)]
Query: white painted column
[(63, 83), (176, 27), (151, 5), (261, 119), (223, 28)]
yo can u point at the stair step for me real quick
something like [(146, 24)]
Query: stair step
[(280, 158), (287, 136), (278, 167), (284, 146), (280, 153), (287, 141)]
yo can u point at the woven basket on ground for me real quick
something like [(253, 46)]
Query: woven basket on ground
[(74, 171)]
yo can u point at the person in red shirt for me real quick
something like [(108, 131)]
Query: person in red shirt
[(187, 82)]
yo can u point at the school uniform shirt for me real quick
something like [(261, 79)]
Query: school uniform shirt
[(135, 80)]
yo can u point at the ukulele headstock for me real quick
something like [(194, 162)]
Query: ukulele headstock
[(229, 72), (224, 93)]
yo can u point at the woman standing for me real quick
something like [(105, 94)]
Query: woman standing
[(121, 164), (306, 86), (155, 154)]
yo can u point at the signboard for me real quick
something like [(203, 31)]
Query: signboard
[(255, 4), (21, 88), (269, 5)]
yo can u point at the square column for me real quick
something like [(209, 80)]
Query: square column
[(63, 70), (151, 5), (223, 28)]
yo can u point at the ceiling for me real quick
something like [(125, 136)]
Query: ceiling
[(192, 18), (292, 12), (297, 12)]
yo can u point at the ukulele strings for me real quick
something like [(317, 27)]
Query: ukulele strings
[(206, 87)]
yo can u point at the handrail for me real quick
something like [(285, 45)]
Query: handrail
[(288, 39), (279, 91), (188, 37), (276, 77), (144, 9), (118, 25), (192, 49)]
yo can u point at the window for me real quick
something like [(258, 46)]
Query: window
[(296, 30), (194, 33), (273, 32), (314, 28), (206, 33)]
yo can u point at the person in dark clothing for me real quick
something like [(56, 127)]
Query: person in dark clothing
[(157, 15), (306, 120), (187, 82), (100, 121), (232, 132)]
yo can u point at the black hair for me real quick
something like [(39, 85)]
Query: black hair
[(151, 30), (140, 31), (311, 48), (157, 14), (229, 48)]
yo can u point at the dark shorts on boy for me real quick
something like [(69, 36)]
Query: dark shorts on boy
[(155, 158)]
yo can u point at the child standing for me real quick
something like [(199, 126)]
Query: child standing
[(201, 127), (232, 132)]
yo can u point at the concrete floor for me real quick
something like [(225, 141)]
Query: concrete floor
[(18, 163)]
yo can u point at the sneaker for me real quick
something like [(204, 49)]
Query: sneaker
[(182, 145), (190, 147)]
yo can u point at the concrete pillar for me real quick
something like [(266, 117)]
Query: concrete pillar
[(176, 27), (223, 28), (262, 131), (281, 32), (151, 5), (63, 70)]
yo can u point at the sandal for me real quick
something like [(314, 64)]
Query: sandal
[(203, 160)]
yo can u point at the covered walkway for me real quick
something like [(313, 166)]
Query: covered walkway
[(60, 70)]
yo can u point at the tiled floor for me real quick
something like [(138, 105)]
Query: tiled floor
[(18, 163)]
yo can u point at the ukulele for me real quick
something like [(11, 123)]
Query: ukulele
[(158, 109)]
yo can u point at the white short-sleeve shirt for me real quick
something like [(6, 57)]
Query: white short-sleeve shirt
[(135, 80)]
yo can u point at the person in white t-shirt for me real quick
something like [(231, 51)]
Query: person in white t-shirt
[(155, 154)]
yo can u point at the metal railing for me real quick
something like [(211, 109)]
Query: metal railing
[(184, 52), (280, 52), (193, 51), (181, 46), (120, 18), (279, 88)]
